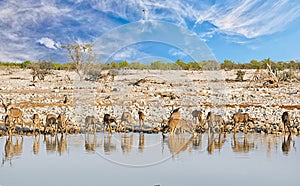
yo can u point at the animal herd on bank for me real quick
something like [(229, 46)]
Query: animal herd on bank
[(174, 124)]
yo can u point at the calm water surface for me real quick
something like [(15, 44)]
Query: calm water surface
[(150, 159)]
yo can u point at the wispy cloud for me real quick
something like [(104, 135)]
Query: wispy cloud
[(248, 18), (23, 23), (253, 18)]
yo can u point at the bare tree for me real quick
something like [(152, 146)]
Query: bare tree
[(82, 55), (41, 69)]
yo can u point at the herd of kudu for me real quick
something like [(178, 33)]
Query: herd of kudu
[(174, 124)]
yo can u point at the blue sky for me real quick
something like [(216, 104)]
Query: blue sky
[(238, 30)]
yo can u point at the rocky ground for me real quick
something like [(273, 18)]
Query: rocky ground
[(154, 92)]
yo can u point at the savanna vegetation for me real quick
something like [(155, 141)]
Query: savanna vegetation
[(160, 65)]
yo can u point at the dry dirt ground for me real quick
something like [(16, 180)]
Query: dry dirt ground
[(156, 95)]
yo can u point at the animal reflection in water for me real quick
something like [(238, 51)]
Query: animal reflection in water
[(109, 146), (126, 143), (178, 143), (13, 148), (55, 143), (215, 143), (242, 145), (286, 144), (90, 143), (197, 142), (36, 144), (141, 142)]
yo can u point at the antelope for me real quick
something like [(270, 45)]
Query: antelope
[(286, 119), (141, 119), (180, 124), (61, 122), (107, 120), (127, 118), (36, 121), (51, 120), (197, 116), (241, 118), (12, 113), (90, 120), (214, 119), (175, 122), (175, 114)]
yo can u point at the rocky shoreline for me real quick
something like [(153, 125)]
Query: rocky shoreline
[(155, 93)]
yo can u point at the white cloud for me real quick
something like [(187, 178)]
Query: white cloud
[(23, 23), (250, 18), (49, 43), (177, 53), (254, 18)]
